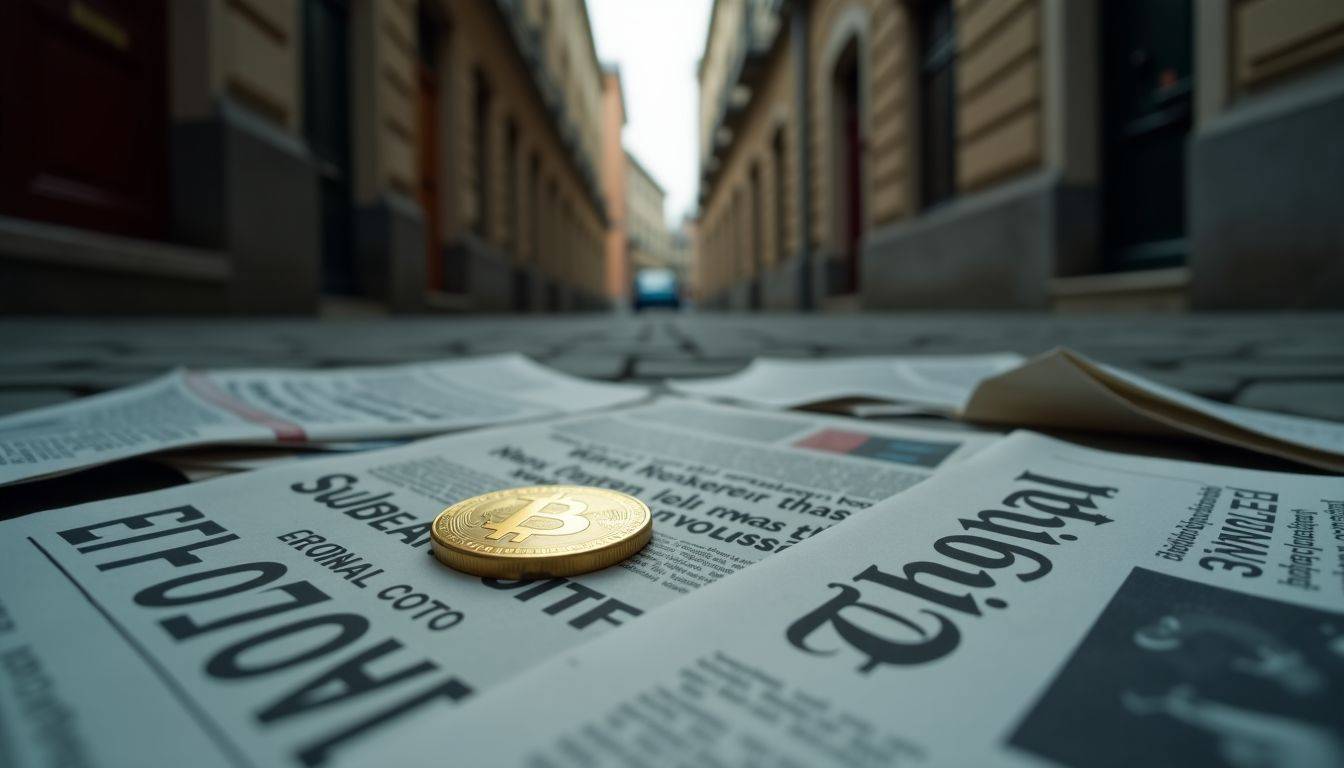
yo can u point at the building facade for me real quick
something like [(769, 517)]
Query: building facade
[(645, 200), (251, 156), (1021, 154), (681, 256), (615, 169)]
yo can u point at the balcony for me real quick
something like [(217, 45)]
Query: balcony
[(759, 26), (531, 46)]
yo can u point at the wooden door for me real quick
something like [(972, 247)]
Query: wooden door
[(83, 133)]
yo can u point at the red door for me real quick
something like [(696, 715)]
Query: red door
[(83, 133)]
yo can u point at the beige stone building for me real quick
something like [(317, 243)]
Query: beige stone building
[(646, 226), (637, 237), (255, 155), (1021, 154), (615, 170), (681, 255)]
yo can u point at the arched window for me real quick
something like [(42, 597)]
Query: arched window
[(847, 159)]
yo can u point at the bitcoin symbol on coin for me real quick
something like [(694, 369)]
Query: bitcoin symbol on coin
[(571, 519), (541, 531)]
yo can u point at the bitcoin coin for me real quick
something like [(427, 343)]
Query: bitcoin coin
[(540, 532)]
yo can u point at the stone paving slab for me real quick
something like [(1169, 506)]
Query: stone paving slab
[(1288, 362), (1324, 400), (657, 369), (607, 367), (13, 400)]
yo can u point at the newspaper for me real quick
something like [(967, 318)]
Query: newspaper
[(1040, 604), (258, 406), (937, 384), (1067, 390), (283, 616), (1059, 389), (205, 463)]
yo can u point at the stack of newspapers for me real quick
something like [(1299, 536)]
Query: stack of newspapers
[(820, 590)]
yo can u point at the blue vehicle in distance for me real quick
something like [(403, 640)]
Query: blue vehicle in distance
[(656, 288)]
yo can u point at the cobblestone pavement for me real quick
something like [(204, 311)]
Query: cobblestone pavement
[(1285, 362), (1291, 363)]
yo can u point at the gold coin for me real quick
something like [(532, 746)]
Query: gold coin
[(541, 532)]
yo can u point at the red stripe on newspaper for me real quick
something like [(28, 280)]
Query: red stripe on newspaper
[(286, 431), (834, 440)]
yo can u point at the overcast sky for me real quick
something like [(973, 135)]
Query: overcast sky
[(656, 43)]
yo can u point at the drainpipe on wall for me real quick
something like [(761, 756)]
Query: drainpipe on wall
[(798, 30)]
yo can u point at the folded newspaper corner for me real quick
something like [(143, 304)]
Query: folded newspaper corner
[(1058, 389), (1038, 604), (186, 409), (1065, 389), (287, 615)]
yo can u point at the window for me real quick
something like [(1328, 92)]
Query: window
[(481, 142), (756, 211), (781, 205), (937, 95), (512, 210), (848, 203), (739, 235), (534, 214)]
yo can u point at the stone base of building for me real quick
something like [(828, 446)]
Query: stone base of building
[(993, 250), (739, 297), (51, 269), (482, 274), (241, 186), (1137, 291), (522, 289), (566, 298), (389, 238), (715, 302), (1265, 181), (529, 289), (587, 302), (781, 286), (243, 236)]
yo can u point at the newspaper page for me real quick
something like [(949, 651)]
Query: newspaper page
[(1040, 604), (1059, 389), (285, 615), (191, 408), (1065, 389), (940, 384)]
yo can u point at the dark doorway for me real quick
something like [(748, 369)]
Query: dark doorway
[(848, 157), (522, 276), (481, 145), (82, 91), (757, 246), (549, 247), (781, 202), (1147, 88), (326, 126), (428, 144), (513, 213)]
